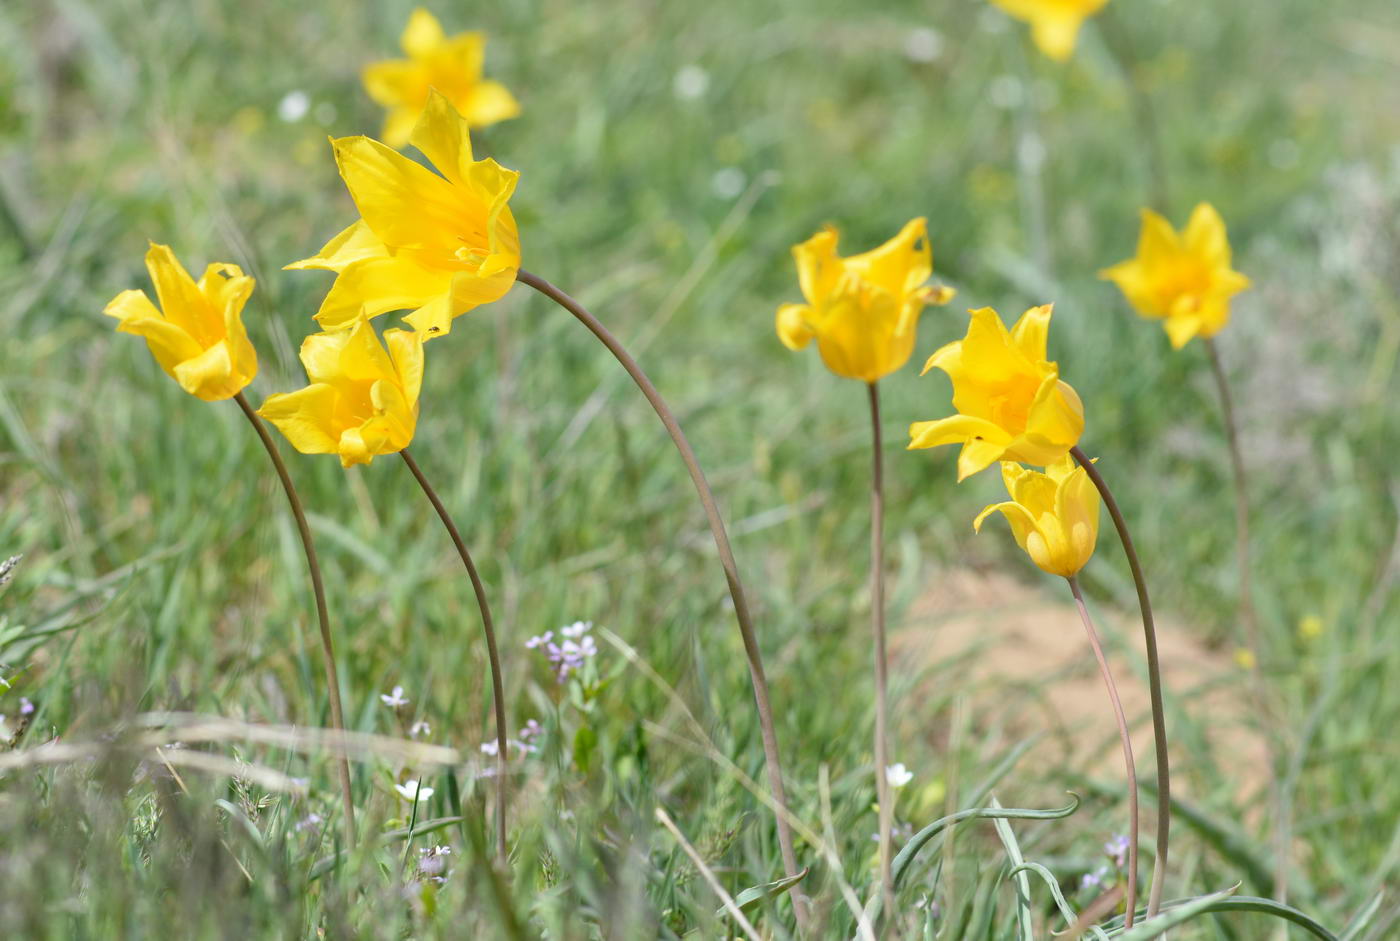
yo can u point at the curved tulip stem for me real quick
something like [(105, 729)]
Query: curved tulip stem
[(1126, 739), (318, 589), (877, 626), (489, 628), (1154, 682), (726, 556), (1242, 541)]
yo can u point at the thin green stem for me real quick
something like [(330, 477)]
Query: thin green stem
[(1129, 766), (726, 556), (1154, 682), (323, 618), (877, 626), (1242, 541), (489, 628)]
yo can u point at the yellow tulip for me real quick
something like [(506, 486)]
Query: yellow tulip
[(197, 336), (861, 310), (1054, 515), (1054, 23), (1183, 279), (363, 398), (1012, 405), (436, 245), (452, 65)]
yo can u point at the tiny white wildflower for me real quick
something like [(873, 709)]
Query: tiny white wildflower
[(728, 182), (491, 748), (411, 792), (923, 45), (691, 82), (539, 640), (395, 698), (897, 775), (293, 106), (420, 727), (577, 628)]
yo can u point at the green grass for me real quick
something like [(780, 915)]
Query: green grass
[(162, 572)]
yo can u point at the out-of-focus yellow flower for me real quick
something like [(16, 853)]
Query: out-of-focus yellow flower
[(452, 65), (436, 245), (861, 310), (197, 336), (1244, 658), (1311, 627), (1012, 405), (1054, 515), (363, 398), (1054, 23), (1182, 278)]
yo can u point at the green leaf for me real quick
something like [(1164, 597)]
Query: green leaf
[(1185, 909), (1022, 881), (1066, 911), (754, 894), (1170, 918)]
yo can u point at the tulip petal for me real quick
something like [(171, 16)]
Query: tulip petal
[(422, 34), (793, 330), (1205, 236), (1031, 333), (1056, 418), (953, 430), (978, 454), (379, 285), (1055, 34), (899, 265), (488, 103), (305, 417), (444, 138), (403, 202), (406, 351), (1182, 328), (180, 299), (209, 375), (394, 82), (169, 344), (355, 243)]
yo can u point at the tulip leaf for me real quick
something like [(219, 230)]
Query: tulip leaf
[(754, 894), (1069, 914), (1182, 910)]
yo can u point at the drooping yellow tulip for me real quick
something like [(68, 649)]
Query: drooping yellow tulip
[(363, 396), (197, 335), (861, 310), (1054, 515), (436, 245), (1012, 405), (1183, 279), (1054, 23), (451, 64)]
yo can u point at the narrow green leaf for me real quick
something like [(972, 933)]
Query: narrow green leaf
[(754, 894)]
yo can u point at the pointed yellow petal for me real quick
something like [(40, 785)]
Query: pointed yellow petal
[(1032, 331), (209, 375), (1181, 329), (395, 82), (406, 351), (1205, 236), (444, 138), (355, 243), (305, 417), (403, 202), (380, 285), (978, 454), (793, 330), (953, 430), (488, 103), (422, 34), (901, 264), (180, 300), (1055, 34)]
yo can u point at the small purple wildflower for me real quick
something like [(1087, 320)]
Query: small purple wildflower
[(539, 640), (310, 821), (577, 629), (531, 731), (1092, 880), (421, 727), (491, 748), (25, 706), (1116, 849)]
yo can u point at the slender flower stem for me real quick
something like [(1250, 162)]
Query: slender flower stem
[(877, 626), (726, 556), (319, 590), (1127, 741), (1120, 46), (1242, 542), (489, 628), (1154, 683)]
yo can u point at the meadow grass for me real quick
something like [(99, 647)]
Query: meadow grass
[(161, 570)]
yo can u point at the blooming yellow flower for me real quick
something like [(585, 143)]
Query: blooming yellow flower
[(436, 245), (1054, 515), (862, 310), (1012, 405), (197, 336), (1054, 23), (363, 398), (452, 65), (1183, 278)]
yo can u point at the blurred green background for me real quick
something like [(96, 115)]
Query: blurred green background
[(670, 156)]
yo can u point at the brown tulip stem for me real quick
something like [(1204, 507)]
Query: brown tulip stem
[(1126, 739), (1154, 682), (726, 557), (489, 628), (318, 589), (877, 626), (1242, 541)]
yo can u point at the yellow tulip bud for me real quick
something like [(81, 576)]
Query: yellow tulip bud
[(1054, 516), (1054, 23), (197, 336)]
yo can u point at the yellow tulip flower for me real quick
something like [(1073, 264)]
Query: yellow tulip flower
[(861, 310), (197, 336), (1012, 405), (436, 245), (363, 398), (452, 65), (1183, 279), (1054, 515), (1054, 23)]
